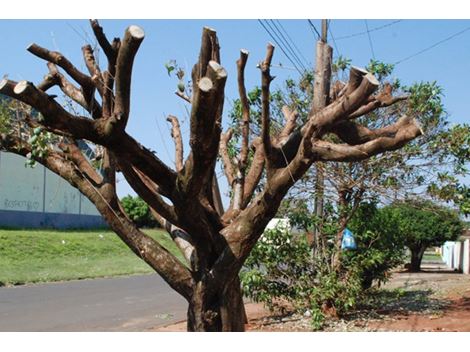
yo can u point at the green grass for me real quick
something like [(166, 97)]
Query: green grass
[(432, 256), (28, 256)]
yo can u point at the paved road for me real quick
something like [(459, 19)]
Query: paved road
[(133, 303)]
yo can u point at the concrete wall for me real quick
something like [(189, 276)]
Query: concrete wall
[(36, 197), (456, 255), (466, 257)]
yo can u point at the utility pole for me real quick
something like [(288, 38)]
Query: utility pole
[(321, 96)]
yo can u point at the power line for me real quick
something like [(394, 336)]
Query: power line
[(282, 49), (293, 43), (333, 38), (433, 45), (285, 43), (314, 29), (370, 40), (369, 31)]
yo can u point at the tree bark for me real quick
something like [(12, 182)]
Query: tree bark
[(416, 258), (216, 311)]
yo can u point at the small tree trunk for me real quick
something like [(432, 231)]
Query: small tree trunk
[(416, 258), (220, 311), (367, 280)]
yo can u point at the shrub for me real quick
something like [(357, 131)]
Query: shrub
[(138, 211)]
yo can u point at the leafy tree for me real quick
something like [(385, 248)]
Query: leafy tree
[(379, 247), (422, 224), (282, 270), (138, 211), (215, 241)]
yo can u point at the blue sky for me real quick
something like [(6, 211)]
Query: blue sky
[(153, 97)]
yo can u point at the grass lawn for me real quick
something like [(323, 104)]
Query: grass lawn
[(49, 255)]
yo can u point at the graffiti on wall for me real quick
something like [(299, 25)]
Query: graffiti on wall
[(15, 204)]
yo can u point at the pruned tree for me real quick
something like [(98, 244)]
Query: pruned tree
[(215, 241)]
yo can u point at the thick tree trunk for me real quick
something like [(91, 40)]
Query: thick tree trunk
[(416, 258), (220, 311)]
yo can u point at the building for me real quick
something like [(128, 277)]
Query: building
[(36, 197), (456, 254)]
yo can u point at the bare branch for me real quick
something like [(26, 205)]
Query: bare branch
[(176, 135), (93, 68), (381, 100), (54, 115), (103, 41), (254, 174), (133, 37), (73, 92), (226, 160), (108, 81), (291, 123), (353, 133), (326, 151), (147, 190), (180, 237), (245, 124), (183, 96), (48, 82), (206, 114), (209, 52), (321, 83), (74, 153), (266, 79), (61, 61)]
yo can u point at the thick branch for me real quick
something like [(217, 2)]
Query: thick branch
[(206, 114), (321, 91), (133, 37), (108, 81), (289, 127), (49, 81), (147, 190), (326, 151), (353, 133), (73, 92), (179, 236), (55, 117), (60, 60), (103, 41), (128, 149), (254, 174), (266, 79), (245, 124), (381, 100), (74, 153), (93, 68), (210, 51)]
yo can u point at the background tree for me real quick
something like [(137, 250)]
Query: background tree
[(216, 242), (138, 211), (422, 224)]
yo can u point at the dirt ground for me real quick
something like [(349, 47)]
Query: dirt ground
[(435, 299)]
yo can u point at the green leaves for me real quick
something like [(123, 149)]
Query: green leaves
[(423, 223), (138, 211), (380, 69), (170, 67), (341, 64), (41, 143)]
